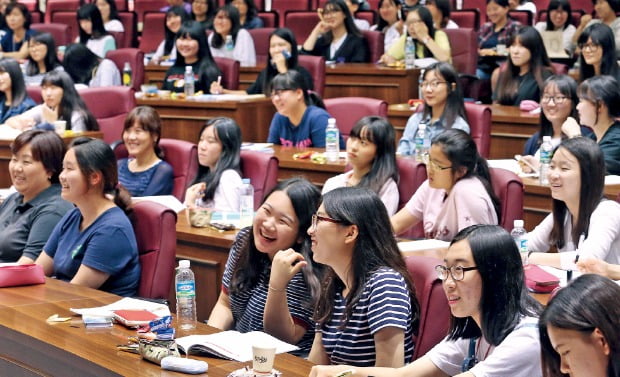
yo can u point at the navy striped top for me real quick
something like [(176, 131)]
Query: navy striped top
[(385, 302)]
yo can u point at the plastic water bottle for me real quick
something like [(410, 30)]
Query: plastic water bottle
[(332, 141), (545, 160), (519, 234), (229, 44), (127, 74), (186, 296), (422, 143), (189, 81), (246, 204), (409, 53)]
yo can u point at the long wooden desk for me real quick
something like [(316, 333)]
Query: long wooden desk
[(5, 154), (316, 173), (29, 346), (183, 119)]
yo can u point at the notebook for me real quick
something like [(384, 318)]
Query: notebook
[(554, 44)]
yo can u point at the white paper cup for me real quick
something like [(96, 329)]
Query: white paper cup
[(60, 126), (501, 49), (263, 357)]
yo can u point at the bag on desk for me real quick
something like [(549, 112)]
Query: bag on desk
[(538, 280), (26, 274)]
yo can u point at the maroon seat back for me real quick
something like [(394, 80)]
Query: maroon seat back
[(466, 18), (66, 17), (316, 66), (155, 229), (479, 120), (434, 309), (61, 33), (282, 7), (34, 92), (262, 169), (559, 68), (412, 174), (53, 6), (301, 23), (230, 72), (349, 110), (509, 189), (142, 7), (135, 58), (110, 106), (464, 46), (367, 15), (121, 5), (153, 31), (33, 7), (476, 4), (375, 42), (261, 43), (525, 17), (130, 24), (270, 19)]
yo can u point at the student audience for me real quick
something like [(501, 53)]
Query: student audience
[(144, 173), (109, 15), (605, 11), (598, 53), (229, 39), (365, 275), (582, 221), (457, 193), (28, 216), (89, 70), (559, 18), (525, 71), (443, 106), (580, 329), (270, 283), (203, 11), (248, 14), (42, 58), (167, 50), (192, 50), (283, 55), (429, 42), (370, 151), (440, 9), (354, 6), (92, 31), (14, 43), (93, 244), (493, 328), (336, 37), (14, 99), (219, 173), (390, 22)]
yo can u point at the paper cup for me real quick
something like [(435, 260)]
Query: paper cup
[(263, 357), (501, 49), (60, 126)]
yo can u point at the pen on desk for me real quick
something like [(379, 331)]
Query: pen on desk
[(569, 273)]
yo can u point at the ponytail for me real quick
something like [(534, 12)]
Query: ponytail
[(122, 199)]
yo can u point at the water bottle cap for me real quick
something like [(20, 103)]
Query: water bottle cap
[(188, 68), (331, 121), (546, 138), (518, 223), (127, 66), (183, 263), (246, 181)]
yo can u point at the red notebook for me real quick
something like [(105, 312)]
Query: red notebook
[(539, 280), (134, 318)]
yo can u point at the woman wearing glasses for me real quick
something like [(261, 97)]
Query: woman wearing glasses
[(605, 11), (598, 52), (365, 275), (443, 106), (482, 272), (457, 193)]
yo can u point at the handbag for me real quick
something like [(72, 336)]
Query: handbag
[(538, 280), (26, 274)]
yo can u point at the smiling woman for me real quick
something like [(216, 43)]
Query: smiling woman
[(42, 58)]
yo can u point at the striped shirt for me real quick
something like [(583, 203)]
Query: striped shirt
[(248, 307), (384, 302)]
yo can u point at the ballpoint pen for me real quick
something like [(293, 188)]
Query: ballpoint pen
[(569, 273)]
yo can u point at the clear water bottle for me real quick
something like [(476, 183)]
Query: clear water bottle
[(189, 81), (519, 234), (246, 204), (229, 44), (545, 160), (332, 141), (409, 53), (127, 74), (422, 143), (186, 296)]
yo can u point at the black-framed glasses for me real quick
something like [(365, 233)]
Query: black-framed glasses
[(457, 272), (432, 84), (592, 47), (316, 218), (558, 100)]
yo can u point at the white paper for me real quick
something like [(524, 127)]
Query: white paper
[(258, 147), (425, 62), (612, 180), (421, 245), (512, 165), (126, 303), (166, 200)]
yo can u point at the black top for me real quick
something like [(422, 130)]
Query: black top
[(354, 49), (610, 145), (175, 78), (528, 89)]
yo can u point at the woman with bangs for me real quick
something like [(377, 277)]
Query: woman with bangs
[(192, 50), (270, 282), (167, 49), (440, 9), (598, 53), (218, 179), (109, 15), (559, 17), (248, 14), (92, 31), (203, 11), (525, 71), (14, 99), (370, 151), (42, 58), (605, 11), (390, 22), (89, 70), (226, 23), (336, 37)]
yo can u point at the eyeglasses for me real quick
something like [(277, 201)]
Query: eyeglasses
[(316, 218), (457, 272), (278, 92), (558, 100), (432, 165), (592, 47), (432, 84)]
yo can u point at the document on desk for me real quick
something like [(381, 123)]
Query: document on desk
[(166, 200), (420, 245), (126, 303), (231, 345)]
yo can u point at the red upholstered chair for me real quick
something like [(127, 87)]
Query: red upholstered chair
[(476, 4), (375, 44), (559, 68), (153, 31), (110, 106), (270, 19), (66, 17), (32, 6), (121, 5), (348, 110), (434, 309), (525, 17), (301, 23), (261, 43), (466, 18), (464, 46), (479, 120), (282, 7), (130, 24), (34, 92), (53, 6), (142, 7), (262, 169), (367, 15), (509, 189), (316, 66), (135, 58), (412, 174), (155, 229), (61, 33), (35, 15), (230, 72)]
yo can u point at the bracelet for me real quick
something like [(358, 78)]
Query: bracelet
[(276, 289)]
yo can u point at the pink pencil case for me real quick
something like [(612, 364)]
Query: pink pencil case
[(27, 274)]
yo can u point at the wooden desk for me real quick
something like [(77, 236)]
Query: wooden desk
[(289, 167), (510, 129), (398, 115), (30, 346), (5, 154), (183, 119)]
